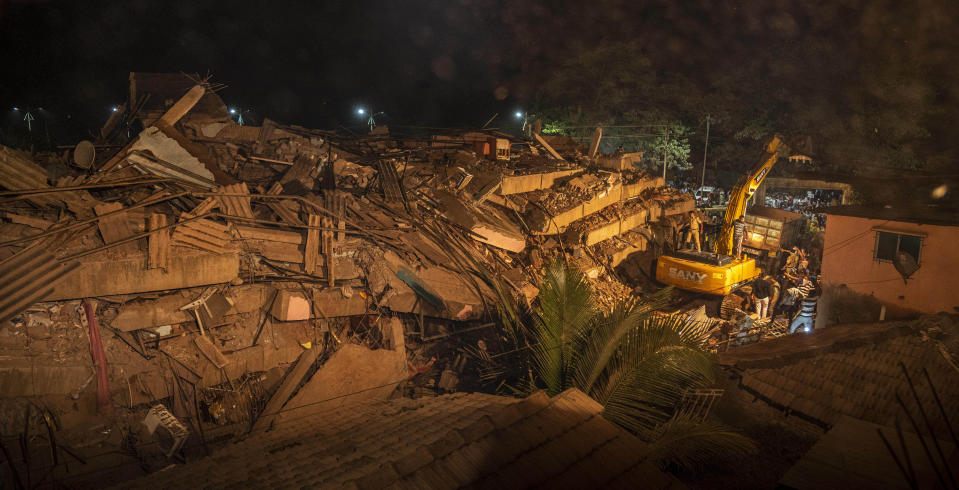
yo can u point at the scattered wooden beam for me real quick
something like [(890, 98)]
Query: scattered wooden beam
[(159, 242), (288, 211), (311, 253)]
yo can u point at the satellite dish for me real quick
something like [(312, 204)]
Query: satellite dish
[(906, 265), (83, 154)]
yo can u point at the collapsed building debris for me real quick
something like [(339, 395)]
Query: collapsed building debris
[(220, 253)]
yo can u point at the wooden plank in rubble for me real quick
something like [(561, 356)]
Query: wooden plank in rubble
[(159, 242), (288, 211), (311, 253)]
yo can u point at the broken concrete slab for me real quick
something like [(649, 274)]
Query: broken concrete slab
[(620, 162), (454, 291), (150, 313), (488, 225), (353, 373), (291, 306), (617, 227), (130, 275), (30, 376)]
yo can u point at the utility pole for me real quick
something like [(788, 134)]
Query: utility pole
[(705, 149), (665, 147)]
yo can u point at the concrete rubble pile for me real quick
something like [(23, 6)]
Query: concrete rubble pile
[(208, 254)]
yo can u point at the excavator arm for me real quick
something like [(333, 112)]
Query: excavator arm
[(744, 189)]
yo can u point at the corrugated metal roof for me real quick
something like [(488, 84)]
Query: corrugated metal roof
[(27, 277), (17, 171)]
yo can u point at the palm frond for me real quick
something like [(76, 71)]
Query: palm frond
[(566, 309), (691, 445), (606, 335), (654, 364)]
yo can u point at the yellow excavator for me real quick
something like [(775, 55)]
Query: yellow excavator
[(720, 272)]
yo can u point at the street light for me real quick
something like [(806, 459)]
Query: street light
[(232, 111), (519, 114), (370, 121)]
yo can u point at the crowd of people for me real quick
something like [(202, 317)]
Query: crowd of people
[(799, 288), (809, 205)]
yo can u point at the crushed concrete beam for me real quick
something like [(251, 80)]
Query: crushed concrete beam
[(542, 224), (515, 184), (130, 275), (286, 389), (546, 145), (151, 313), (182, 106), (617, 227)]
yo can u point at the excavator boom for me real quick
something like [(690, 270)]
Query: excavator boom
[(744, 189)]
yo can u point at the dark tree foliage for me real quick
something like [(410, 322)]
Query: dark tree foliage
[(862, 86)]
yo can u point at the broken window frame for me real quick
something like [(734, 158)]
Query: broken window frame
[(898, 247)]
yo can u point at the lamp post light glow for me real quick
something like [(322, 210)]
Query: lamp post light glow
[(361, 111), (114, 109), (232, 111)]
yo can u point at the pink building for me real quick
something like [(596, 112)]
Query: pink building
[(863, 245)]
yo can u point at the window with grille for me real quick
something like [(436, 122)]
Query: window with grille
[(888, 244)]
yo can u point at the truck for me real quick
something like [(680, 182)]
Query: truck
[(768, 230)]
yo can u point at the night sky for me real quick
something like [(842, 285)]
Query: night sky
[(831, 67)]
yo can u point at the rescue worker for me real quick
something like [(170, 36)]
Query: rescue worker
[(695, 225), (805, 321), (761, 290), (739, 233), (792, 258)]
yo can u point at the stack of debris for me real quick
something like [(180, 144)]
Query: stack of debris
[(217, 251)]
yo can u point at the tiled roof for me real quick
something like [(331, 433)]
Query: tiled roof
[(857, 379), (852, 455), (451, 441)]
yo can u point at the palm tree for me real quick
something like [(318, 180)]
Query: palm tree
[(634, 361)]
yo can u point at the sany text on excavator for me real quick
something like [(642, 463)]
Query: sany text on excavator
[(720, 273)]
